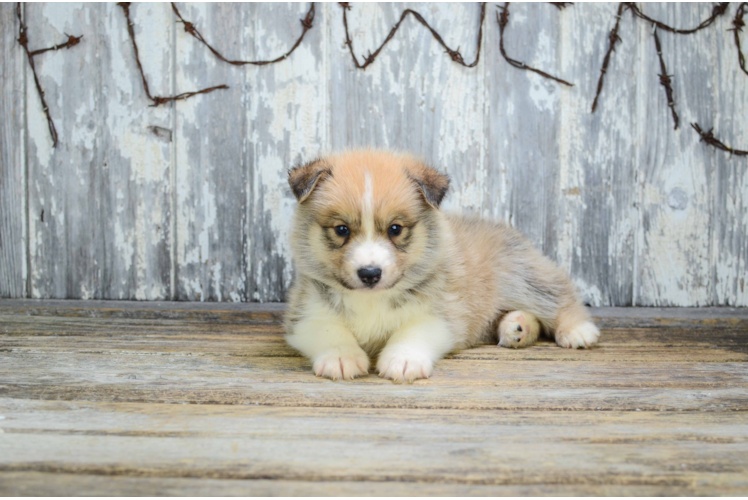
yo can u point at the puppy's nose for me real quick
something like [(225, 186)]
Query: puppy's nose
[(370, 275)]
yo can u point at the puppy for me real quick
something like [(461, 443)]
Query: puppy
[(382, 272)]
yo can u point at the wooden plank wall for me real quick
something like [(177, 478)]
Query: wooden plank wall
[(12, 175), (188, 201)]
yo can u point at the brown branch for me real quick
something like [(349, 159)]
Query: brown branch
[(738, 24), (717, 11), (23, 40), (709, 138), (613, 38), (503, 20), (665, 80), (190, 28), (156, 100), (72, 41), (455, 55)]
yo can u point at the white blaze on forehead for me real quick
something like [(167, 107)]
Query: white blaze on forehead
[(371, 251), (367, 202)]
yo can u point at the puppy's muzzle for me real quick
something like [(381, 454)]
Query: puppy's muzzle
[(370, 276)]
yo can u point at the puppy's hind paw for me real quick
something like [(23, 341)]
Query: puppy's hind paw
[(582, 336), (341, 364), (518, 329)]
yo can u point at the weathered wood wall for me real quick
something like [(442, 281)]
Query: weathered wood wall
[(188, 201)]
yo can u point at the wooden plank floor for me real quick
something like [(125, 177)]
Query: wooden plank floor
[(103, 398)]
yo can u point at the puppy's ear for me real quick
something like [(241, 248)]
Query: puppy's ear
[(303, 179), (433, 185)]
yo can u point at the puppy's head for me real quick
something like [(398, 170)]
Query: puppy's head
[(367, 220)]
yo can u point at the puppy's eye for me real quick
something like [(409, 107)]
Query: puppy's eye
[(342, 230), (395, 230)]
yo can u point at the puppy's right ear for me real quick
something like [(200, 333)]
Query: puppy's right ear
[(304, 179), (433, 184)]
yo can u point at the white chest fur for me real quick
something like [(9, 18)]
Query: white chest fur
[(374, 317)]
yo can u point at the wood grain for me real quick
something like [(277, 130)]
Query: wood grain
[(413, 97), (211, 170), (188, 201), (105, 190), (120, 398), (12, 161), (289, 117), (676, 173), (598, 192), (730, 210), (50, 484), (523, 127), (331, 445), (217, 357)]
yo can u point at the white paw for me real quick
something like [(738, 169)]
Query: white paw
[(341, 363), (581, 336), (404, 366), (518, 329)]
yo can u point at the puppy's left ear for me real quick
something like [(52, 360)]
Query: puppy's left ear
[(433, 184), (303, 179)]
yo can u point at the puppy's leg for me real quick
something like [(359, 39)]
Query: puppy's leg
[(411, 352), (518, 329), (574, 328), (331, 347)]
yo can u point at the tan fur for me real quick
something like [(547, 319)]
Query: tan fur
[(448, 281)]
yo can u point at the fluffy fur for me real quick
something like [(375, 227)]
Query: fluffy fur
[(447, 281)]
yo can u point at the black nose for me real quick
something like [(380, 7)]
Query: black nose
[(370, 275)]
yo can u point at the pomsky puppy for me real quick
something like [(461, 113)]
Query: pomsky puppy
[(382, 272)]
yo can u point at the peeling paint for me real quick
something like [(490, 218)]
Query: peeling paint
[(636, 212)]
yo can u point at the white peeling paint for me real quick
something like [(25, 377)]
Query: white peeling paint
[(625, 203)]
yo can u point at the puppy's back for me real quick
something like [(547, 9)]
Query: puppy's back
[(496, 270)]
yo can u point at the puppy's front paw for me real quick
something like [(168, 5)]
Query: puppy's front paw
[(341, 363), (518, 329), (582, 336), (404, 367)]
